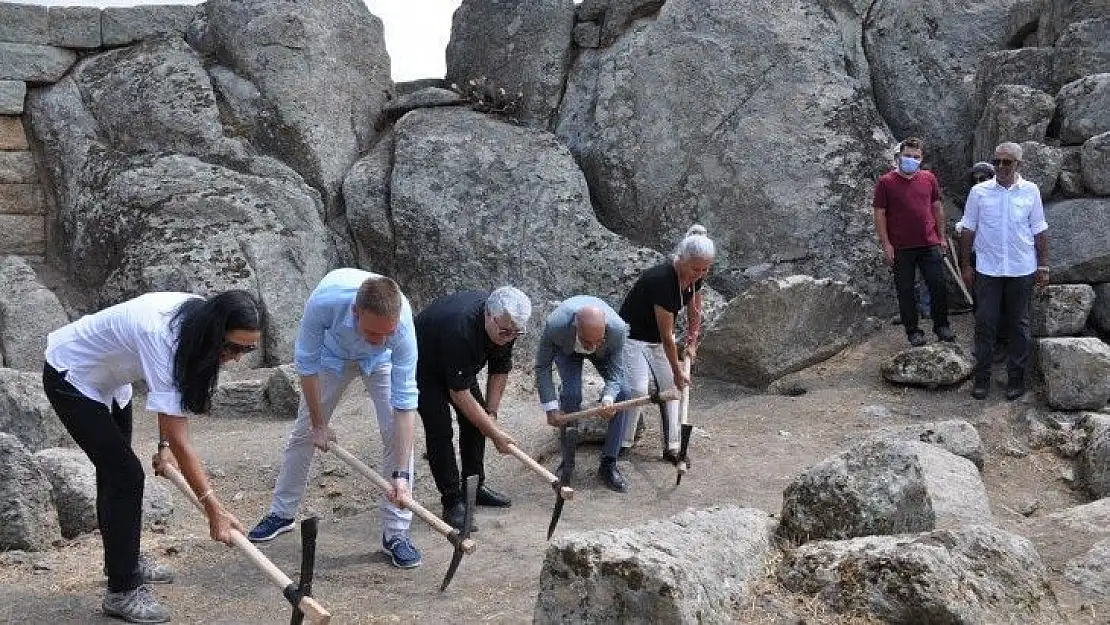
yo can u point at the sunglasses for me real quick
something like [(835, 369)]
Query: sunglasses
[(1004, 161), (232, 348), (509, 332), (981, 177)]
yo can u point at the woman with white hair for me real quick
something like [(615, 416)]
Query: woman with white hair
[(651, 310), (457, 336)]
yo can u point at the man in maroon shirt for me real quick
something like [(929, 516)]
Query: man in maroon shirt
[(909, 218)]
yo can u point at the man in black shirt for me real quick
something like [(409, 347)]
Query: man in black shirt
[(457, 336)]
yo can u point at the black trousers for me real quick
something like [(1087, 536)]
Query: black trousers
[(993, 295), (435, 406), (105, 437), (930, 261)]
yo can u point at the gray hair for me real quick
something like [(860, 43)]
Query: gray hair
[(511, 301), (696, 244), (1011, 148)]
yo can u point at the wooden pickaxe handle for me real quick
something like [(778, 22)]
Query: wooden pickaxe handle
[(684, 410), (466, 545), (565, 492), (311, 609), (667, 395)]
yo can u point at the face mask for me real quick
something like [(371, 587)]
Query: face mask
[(908, 165), (578, 347)]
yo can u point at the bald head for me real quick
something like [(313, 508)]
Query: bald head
[(589, 322)]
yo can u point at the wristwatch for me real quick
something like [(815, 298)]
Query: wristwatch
[(397, 475), (163, 444)]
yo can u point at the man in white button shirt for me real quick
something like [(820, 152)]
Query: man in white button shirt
[(1004, 224)]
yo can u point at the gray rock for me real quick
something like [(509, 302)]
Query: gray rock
[(1012, 113), (1091, 571), (74, 27), (698, 567), (12, 136), (23, 23), (120, 26), (1046, 69), (1080, 252), (12, 93), (283, 392), (1100, 311), (73, 481), (956, 436), (614, 17), (157, 503), (25, 412), (516, 45), (1090, 518), (1000, 577), (666, 124), (1096, 163), (518, 209), (1083, 108), (28, 312), (1057, 430), (1076, 372), (1061, 309), (1070, 184), (1041, 165), (26, 503), (587, 34), (18, 167), (923, 57), (34, 63), (428, 97), (1059, 15), (240, 399), (366, 193), (780, 326), (321, 90), (931, 366), (883, 487), (1088, 33), (1093, 469)]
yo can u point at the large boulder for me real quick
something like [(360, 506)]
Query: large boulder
[(505, 205), (73, 483), (1094, 461), (1061, 309), (924, 55), (1083, 108), (28, 520), (1059, 16), (123, 25), (520, 46), (321, 72), (1095, 159), (283, 392), (977, 574), (28, 312), (1080, 251), (1012, 113), (956, 436), (1088, 33), (1076, 372), (930, 366), (607, 20), (1046, 69), (883, 487), (172, 203), (691, 117), (1091, 571), (780, 326), (1041, 164), (698, 567), (34, 63), (26, 413)]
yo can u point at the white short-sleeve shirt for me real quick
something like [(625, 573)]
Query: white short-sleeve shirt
[(103, 353)]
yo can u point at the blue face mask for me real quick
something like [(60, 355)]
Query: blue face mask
[(908, 165)]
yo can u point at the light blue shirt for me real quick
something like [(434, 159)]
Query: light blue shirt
[(327, 337)]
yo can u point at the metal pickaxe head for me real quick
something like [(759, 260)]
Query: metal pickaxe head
[(684, 462), (309, 529), (461, 539), (562, 493)]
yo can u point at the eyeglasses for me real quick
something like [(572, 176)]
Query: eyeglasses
[(981, 177), (998, 162), (507, 332), (232, 348)]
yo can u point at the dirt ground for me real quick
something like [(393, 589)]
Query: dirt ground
[(747, 448)]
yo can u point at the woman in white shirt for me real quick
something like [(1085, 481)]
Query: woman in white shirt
[(176, 342)]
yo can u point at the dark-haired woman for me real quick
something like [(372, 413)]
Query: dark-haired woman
[(176, 342)]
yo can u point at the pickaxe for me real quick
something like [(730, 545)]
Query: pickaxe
[(309, 528), (461, 540), (683, 464), (298, 599), (562, 493), (655, 397)]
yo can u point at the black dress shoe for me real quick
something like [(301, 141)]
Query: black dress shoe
[(671, 457), (455, 515), (1015, 387), (491, 498), (917, 338), (611, 475), (981, 389)]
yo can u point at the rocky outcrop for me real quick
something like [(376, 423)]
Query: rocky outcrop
[(26, 505), (781, 326), (1095, 157), (1083, 108), (1012, 113), (28, 312), (955, 436), (1080, 252), (73, 483), (25, 412)]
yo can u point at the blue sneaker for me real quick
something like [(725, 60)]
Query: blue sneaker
[(401, 551), (269, 527)]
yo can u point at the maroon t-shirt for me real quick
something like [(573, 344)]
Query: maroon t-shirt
[(909, 208)]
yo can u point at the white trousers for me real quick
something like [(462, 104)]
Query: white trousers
[(299, 450), (640, 360)]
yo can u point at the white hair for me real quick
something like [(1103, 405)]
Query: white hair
[(696, 244), (511, 301), (1011, 148)]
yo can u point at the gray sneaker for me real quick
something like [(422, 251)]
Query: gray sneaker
[(135, 606), (151, 570)]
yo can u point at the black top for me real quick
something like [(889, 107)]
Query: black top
[(657, 286), (453, 344)]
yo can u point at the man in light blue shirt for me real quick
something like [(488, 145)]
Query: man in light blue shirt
[(355, 323)]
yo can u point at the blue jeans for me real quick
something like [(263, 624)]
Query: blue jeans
[(570, 396)]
